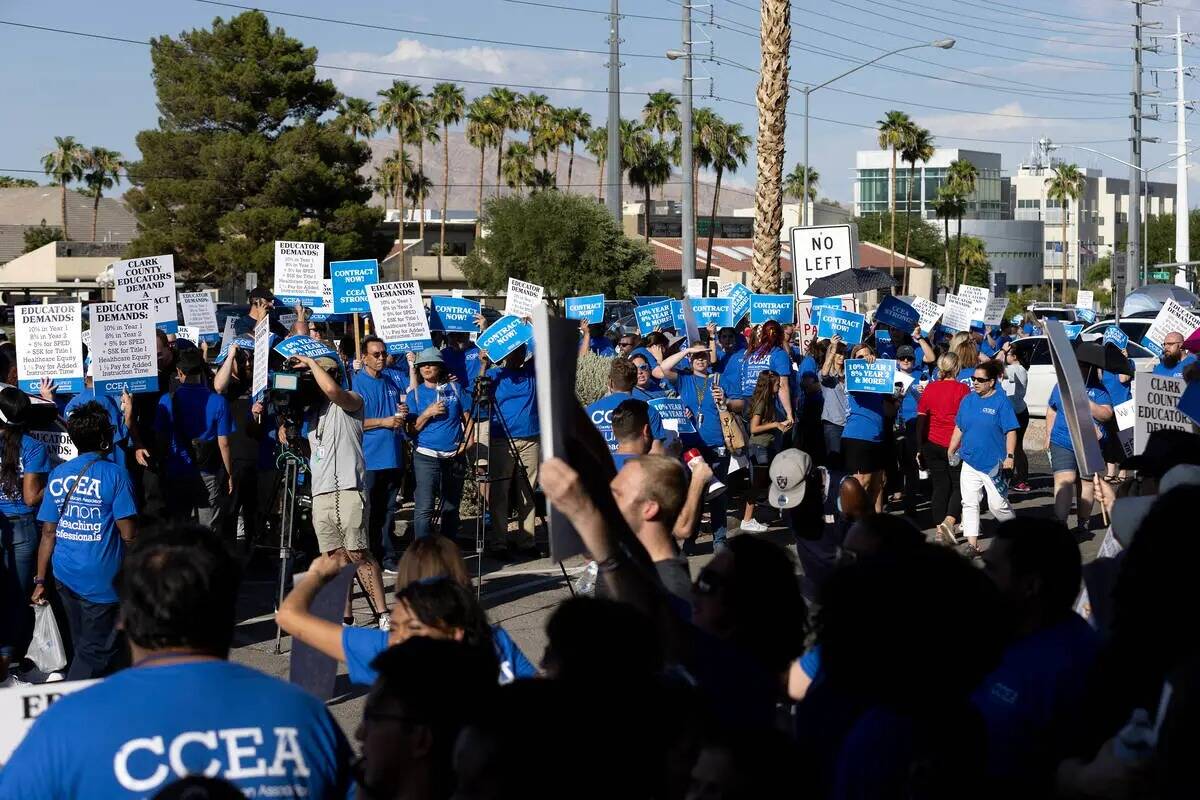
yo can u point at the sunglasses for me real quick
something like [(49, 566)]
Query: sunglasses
[(624, 344), (643, 368), (377, 354), (906, 358), (707, 583), (977, 379)]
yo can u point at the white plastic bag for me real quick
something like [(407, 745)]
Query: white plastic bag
[(46, 650)]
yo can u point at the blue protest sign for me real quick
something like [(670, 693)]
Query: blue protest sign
[(1085, 314), (883, 337), (503, 336), (648, 300), (454, 314), (1016, 319), (672, 412), (245, 343), (1152, 346), (897, 313), (878, 376), (740, 296), (825, 302), (778, 307), (846, 324), (1189, 402), (718, 310), (1073, 331), (653, 316), (589, 307), (350, 280), (300, 346), (677, 321), (1114, 335)]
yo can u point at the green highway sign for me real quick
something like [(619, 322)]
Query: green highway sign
[(1160, 276)]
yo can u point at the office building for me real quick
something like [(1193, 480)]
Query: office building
[(871, 185)]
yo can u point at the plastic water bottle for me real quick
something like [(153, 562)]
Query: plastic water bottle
[(954, 459), (1135, 743), (585, 584)]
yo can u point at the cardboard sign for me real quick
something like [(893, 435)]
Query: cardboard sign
[(399, 316), (677, 321), (262, 347), (671, 410), (188, 334), (522, 298), (350, 280), (978, 298), (930, 313), (308, 667), (836, 322), (200, 312), (1157, 400), (1084, 299), (896, 313), (227, 337), (695, 287), (125, 356), (653, 317), (324, 312), (299, 270), (878, 377), (153, 279), (717, 310), (994, 313), (1114, 335), (58, 444), (453, 314), (778, 307), (956, 315), (1126, 414), (49, 345), (503, 336), (589, 307), (820, 250), (1075, 405), (1172, 318), (20, 706), (1073, 331)]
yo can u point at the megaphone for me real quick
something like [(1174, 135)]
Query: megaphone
[(715, 487)]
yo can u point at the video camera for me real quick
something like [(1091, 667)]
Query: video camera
[(291, 392)]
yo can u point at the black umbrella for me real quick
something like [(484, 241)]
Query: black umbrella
[(850, 281), (1105, 356)]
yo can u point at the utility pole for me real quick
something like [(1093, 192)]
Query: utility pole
[(1182, 245), (1135, 150), (613, 161), (688, 263)]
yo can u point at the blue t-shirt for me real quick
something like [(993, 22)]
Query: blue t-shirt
[(1119, 392), (87, 548), (984, 421), (110, 403), (865, 420), (601, 411), (1175, 371), (443, 433), (464, 365), (362, 645), (965, 374), (203, 414), (1060, 434), (34, 458), (776, 360), (647, 394), (733, 375), (620, 459), (989, 349), (602, 346), (696, 393), (1029, 329), (908, 404), (383, 448), (516, 399), (133, 733)]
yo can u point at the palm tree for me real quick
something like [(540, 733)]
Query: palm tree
[(64, 164), (1066, 184), (579, 125), (416, 189), (400, 167), (730, 149), (424, 130), (518, 166), (648, 162), (661, 115), (102, 170), (771, 98), (543, 179), (551, 136), (793, 183), (893, 130), (596, 143), (918, 146), (961, 176), (704, 121), (385, 184), (356, 116), (507, 104), (400, 109), (533, 109), (483, 131), (447, 102), (947, 205), (974, 259)]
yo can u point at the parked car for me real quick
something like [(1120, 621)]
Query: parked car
[(1062, 313), (1134, 327), (1034, 352)]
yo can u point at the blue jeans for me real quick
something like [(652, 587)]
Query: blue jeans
[(94, 638), (18, 560), (382, 488), (718, 509), (437, 479)]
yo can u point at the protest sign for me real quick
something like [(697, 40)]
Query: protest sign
[(227, 336), (695, 287), (930, 313), (522, 298), (1084, 299), (836, 322), (691, 327), (304, 346), (740, 297), (778, 307), (671, 410), (878, 376), (677, 321), (58, 444), (956, 314), (299, 270), (503, 336), (589, 307), (399, 316), (717, 310), (262, 354), (1126, 414), (1073, 331), (904, 380), (1189, 402), (1075, 404), (49, 345), (188, 334), (898, 314), (200, 312), (125, 356), (1172, 318), (994, 313), (821, 250), (653, 317), (151, 278), (350, 281), (308, 667), (646, 300), (883, 336), (323, 312), (978, 298), (1157, 400), (86, 338), (453, 314), (1114, 335), (1085, 315), (21, 705)]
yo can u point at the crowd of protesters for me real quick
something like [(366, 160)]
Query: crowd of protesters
[(847, 658)]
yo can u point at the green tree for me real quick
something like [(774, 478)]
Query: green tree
[(41, 235), (507, 106), (925, 237), (579, 126), (793, 183), (447, 102), (730, 150), (425, 129), (893, 131), (661, 113), (102, 169), (64, 164), (650, 168), (561, 241), (976, 265), (518, 166), (949, 205), (484, 130), (961, 177), (1066, 184), (597, 146), (401, 109), (7, 182), (533, 111), (356, 117), (240, 157), (918, 146)]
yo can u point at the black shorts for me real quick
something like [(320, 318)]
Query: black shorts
[(861, 456)]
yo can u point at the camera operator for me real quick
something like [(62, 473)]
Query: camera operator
[(335, 435)]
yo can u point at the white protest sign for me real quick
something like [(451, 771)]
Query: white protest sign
[(695, 287), (150, 278), (994, 313), (1084, 299), (399, 315), (822, 250), (262, 354), (956, 315), (1172, 318), (49, 345), (228, 334), (1156, 398), (1126, 414), (522, 298), (86, 338), (188, 333), (299, 270), (125, 356), (20, 706), (199, 312), (978, 297), (930, 313), (326, 306), (58, 444)]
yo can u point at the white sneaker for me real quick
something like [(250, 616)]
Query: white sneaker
[(754, 526), (12, 682)]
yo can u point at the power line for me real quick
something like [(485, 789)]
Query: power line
[(1039, 29), (590, 10), (1049, 16)]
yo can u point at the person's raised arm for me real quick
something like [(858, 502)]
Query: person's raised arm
[(666, 367), (927, 354), (689, 515), (830, 356), (225, 373), (294, 615), (347, 401), (301, 326), (585, 338)]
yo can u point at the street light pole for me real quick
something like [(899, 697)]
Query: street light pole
[(613, 165), (688, 264)]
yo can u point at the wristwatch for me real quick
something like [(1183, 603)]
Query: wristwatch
[(39, 581), (1010, 455)]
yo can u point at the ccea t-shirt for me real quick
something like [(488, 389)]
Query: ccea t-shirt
[(601, 412), (984, 421), (776, 360), (1060, 434), (34, 459), (383, 448), (696, 393), (194, 412), (362, 645), (443, 433), (87, 547), (516, 400), (865, 420), (940, 401), (133, 733), (1175, 371)]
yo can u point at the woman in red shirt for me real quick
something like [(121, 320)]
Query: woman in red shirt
[(936, 411)]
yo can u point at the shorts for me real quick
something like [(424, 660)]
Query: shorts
[(337, 519), (861, 456), (479, 454), (1062, 459)]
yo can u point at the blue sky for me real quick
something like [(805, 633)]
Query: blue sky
[(1065, 76)]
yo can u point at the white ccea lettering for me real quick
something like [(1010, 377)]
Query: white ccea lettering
[(242, 748), (121, 765), (236, 753), (287, 748), (206, 738), (88, 487)]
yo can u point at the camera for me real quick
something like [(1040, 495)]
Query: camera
[(290, 395)]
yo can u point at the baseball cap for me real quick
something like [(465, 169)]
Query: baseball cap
[(261, 293), (1128, 512), (1164, 449), (905, 351), (788, 471), (430, 355)]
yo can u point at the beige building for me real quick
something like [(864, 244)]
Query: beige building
[(58, 268)]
